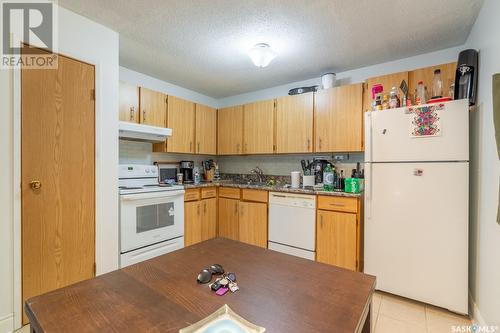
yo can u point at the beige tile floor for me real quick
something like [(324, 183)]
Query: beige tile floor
[(393, 314)]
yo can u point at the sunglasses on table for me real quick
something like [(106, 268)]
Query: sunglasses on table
[(205, 276)]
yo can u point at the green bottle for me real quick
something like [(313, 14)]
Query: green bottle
[(328, 178)]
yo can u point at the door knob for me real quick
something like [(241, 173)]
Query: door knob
[(35, 184)]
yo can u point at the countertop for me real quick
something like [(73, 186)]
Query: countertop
[(276, 188), (279, 292)]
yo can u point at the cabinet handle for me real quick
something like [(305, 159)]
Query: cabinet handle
[(236, 209), (198, 147), (246, 148), (204, 208), (321, 220), (319, 142), (198, 209), (143, 115), (132, 113), (238, 148), (190, 146), (308, 143), (337, 205)]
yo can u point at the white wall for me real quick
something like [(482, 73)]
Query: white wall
[(485, 171), (139, 79), (88, 41), (6, 206), (352, 76)]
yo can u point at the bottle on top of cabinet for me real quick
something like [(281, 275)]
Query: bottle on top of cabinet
[(437, 85), (420, 93), (394, 101)]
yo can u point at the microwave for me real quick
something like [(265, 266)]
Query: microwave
[(167, 172)]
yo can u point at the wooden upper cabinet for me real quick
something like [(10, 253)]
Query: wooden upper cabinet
[(153, 107), (294, 124), (387, 81), (230, 130), (258, 127), (181, 119), (336, 239), (129, 102), (339, 119), (427, 74), (206, 127)]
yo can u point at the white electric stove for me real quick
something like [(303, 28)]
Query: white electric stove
[(151, 214)]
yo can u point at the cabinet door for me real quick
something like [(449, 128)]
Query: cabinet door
[(294, 124), (387, 81), (253, 223), (339, 119), (153, 108), (427, 74), (206, 127), (258, 127), (230, 130), (209, 219), (129, 102), (181, 119), (228, 218), (192, 222), (336, 239)]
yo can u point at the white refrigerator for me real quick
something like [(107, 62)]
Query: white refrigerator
[(416, 203)]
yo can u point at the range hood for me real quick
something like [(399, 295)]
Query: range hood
[(145, 133)]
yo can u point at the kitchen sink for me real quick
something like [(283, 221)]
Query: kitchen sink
[(251, 183)]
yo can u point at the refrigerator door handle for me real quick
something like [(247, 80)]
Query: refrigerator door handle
[(368, 190)]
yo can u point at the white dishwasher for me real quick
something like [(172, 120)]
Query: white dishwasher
[(292, 224)]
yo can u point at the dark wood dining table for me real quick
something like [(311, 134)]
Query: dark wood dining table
[(280, 292)]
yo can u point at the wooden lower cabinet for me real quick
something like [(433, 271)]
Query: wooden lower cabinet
[(229, 218), (200, 218), (209, 218), (192, 222), (336, 239), (253, 223), (339, 232)]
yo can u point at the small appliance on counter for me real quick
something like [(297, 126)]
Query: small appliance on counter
[(466, 76), (167, 172), (318, 166), (187, 170)]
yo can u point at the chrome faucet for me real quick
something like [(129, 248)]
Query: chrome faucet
[(260, 174)]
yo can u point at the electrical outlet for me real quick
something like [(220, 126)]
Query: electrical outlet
[(341, 157)]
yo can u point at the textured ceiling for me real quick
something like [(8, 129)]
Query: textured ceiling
[(202, 44)]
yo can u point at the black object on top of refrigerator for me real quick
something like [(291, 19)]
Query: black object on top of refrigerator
[(466, 76)]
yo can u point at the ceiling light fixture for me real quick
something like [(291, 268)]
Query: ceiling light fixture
[(261, 54)]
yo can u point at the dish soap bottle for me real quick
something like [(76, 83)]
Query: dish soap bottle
[(328, 178), (197, 177)]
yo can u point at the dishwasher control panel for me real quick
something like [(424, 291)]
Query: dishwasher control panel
[(292, 199)]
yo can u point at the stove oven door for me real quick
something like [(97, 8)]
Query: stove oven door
[(149, 218)]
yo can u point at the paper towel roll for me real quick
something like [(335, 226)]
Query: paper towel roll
[(295, 179)]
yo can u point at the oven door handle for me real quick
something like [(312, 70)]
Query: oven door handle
[(151, 195)]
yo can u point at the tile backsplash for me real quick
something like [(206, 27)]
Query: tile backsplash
[(132, 152)]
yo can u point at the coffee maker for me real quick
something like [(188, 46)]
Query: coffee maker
[(318, 165), (186, 168), (466, 76)]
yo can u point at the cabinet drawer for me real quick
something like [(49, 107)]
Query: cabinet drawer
[(208, 192), (192, 194), (231, 193), (254, 195), (341, 204)]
